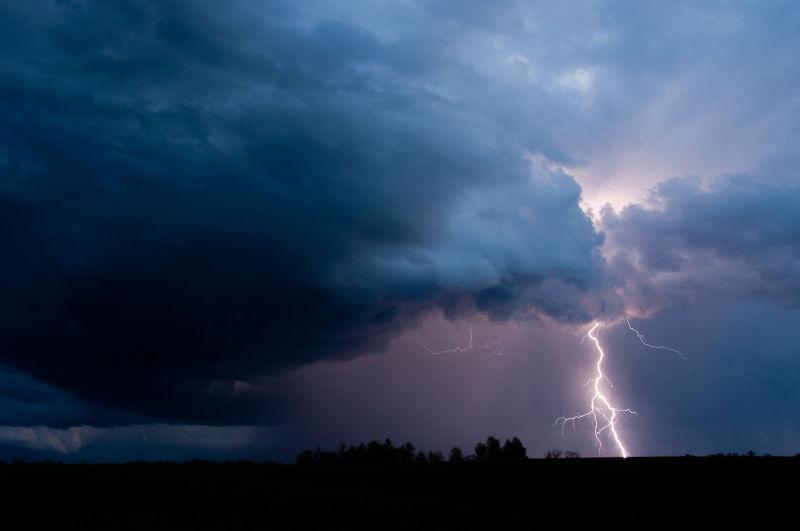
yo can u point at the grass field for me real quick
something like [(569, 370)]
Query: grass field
[(646, 492)]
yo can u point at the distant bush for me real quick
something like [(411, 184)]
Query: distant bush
[(372, 452), (481, 452), (435, 457), (198, 462), (552, 454), (456, 455)]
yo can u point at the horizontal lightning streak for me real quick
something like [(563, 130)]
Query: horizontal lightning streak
[(486, 346), (657, 347)]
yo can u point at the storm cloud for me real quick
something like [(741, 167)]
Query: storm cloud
[(195, 195), (735, 238)]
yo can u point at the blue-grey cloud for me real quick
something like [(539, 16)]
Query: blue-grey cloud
[(194, 195), (24, 401), (736, 238)]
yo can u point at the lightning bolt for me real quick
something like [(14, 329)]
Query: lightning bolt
[(657, 347), (471, 346), (602, 412)]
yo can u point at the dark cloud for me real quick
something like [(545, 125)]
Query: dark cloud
[(195, 194), (24, 401), (737, 237)]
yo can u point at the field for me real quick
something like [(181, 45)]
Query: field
[(646, 492)]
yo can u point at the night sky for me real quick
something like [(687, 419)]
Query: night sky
[(225, 226)]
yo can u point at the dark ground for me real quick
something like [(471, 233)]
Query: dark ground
[(645, 492)]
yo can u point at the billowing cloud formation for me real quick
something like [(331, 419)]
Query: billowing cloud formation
[(738, 237), (195, 194)]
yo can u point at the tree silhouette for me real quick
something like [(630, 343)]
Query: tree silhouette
[(514, 450), (456, 455), (305, 457), (407, 452), (492, 451), (481, 452), (435, 456), (495, 453)]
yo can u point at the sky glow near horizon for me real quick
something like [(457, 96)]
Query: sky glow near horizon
[(221, 223)]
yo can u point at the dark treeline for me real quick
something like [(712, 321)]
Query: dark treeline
[(385, 452), (489, 451)]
